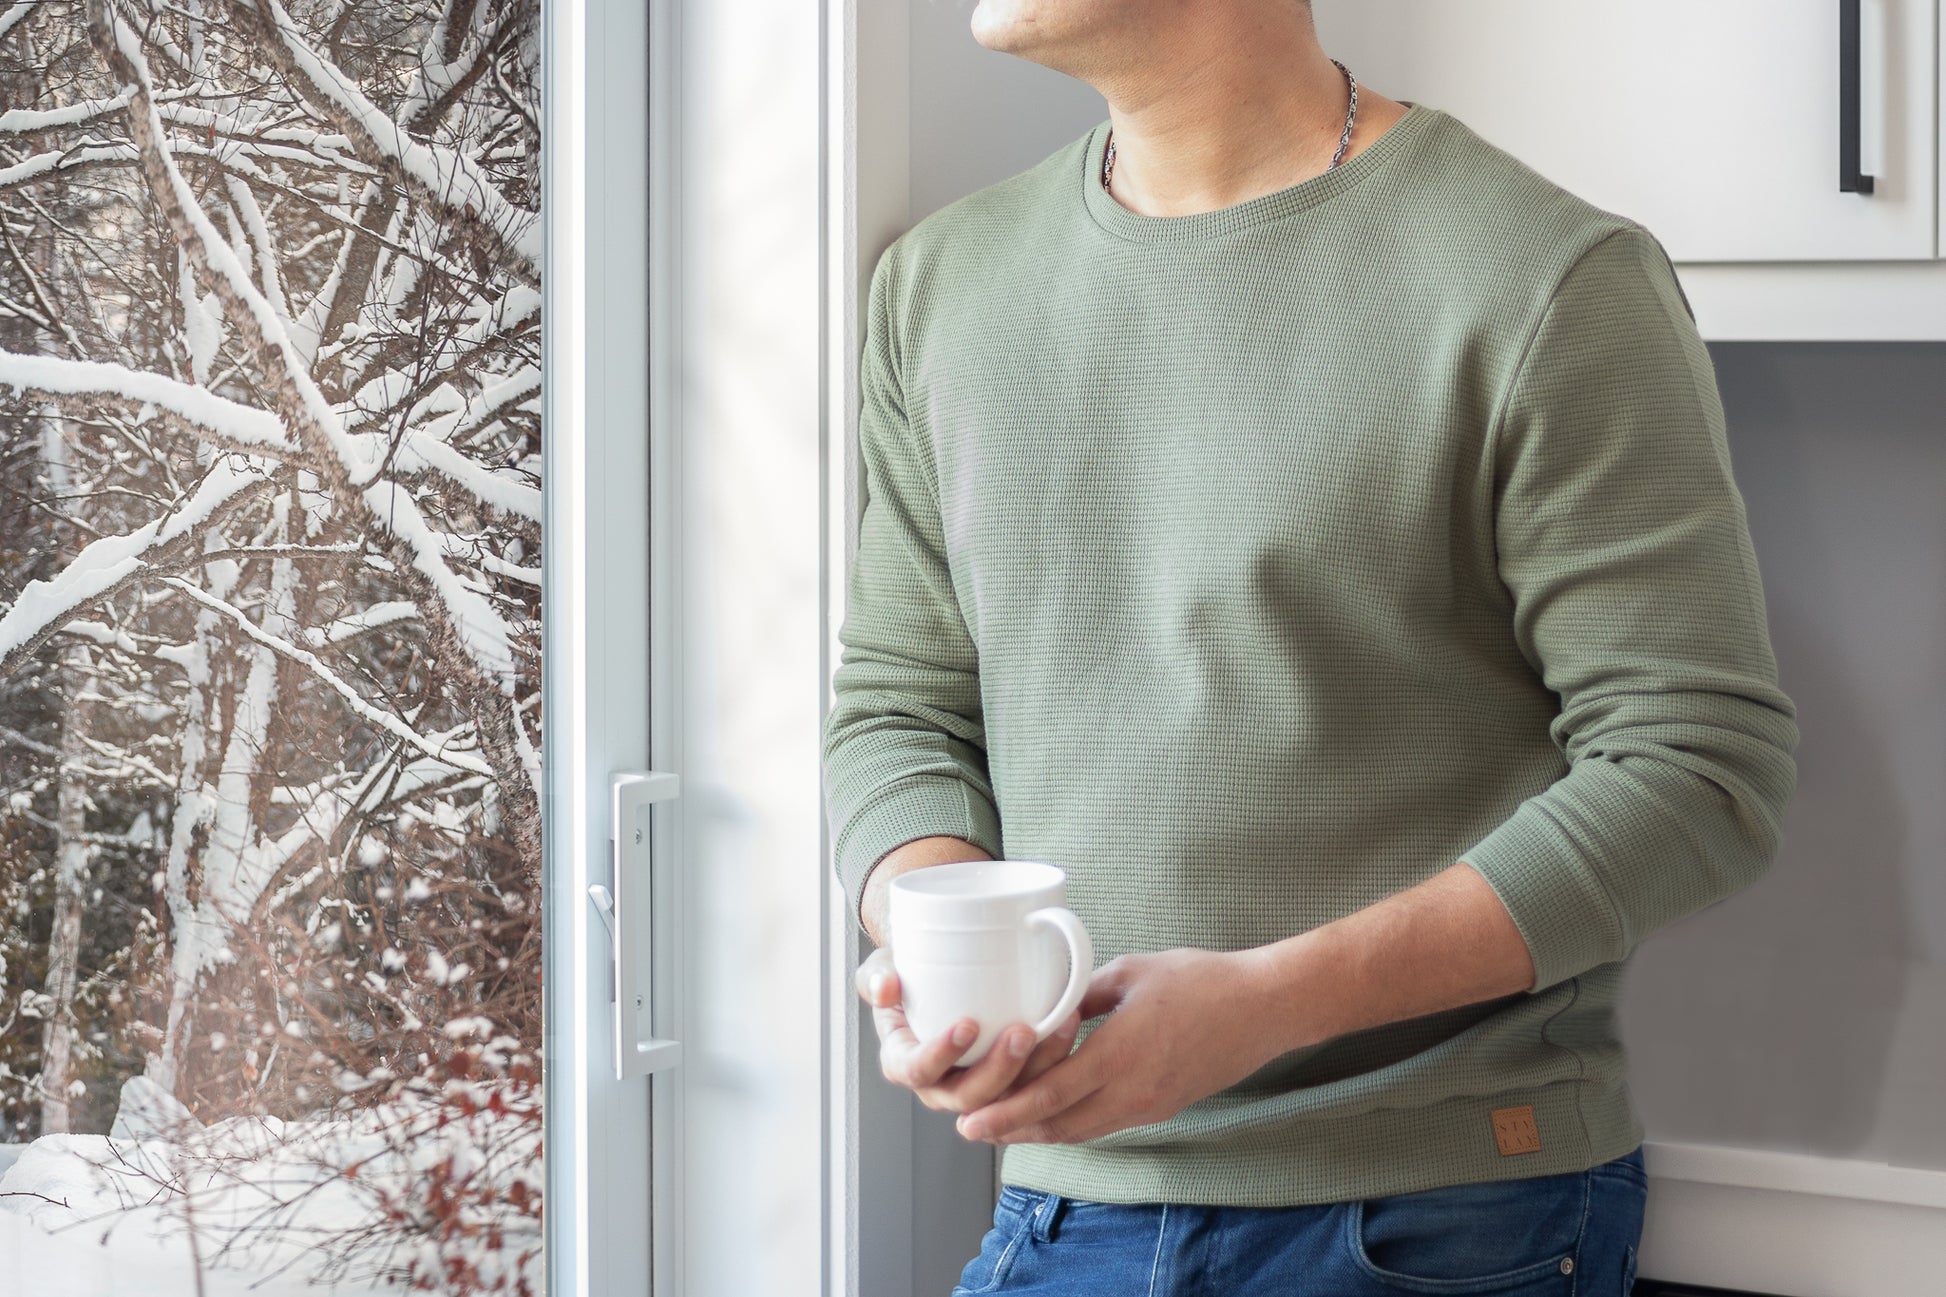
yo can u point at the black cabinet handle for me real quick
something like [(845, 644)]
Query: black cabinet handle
[(1850, 179)]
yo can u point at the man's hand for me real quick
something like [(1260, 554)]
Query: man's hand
[(927, 1069), (1182, 1025), (1185, 1023)]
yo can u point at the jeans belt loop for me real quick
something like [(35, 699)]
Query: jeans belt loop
[(1046, 1215)]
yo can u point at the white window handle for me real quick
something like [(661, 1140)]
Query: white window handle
[(629, 913)]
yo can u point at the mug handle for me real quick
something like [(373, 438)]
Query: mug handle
[(1081, 963)]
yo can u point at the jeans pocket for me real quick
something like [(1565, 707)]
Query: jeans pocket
[(1487, 1237), (1013, 1219)]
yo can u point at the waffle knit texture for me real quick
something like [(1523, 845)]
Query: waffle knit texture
[(1256, 564)]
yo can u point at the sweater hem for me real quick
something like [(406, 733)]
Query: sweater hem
[(1370, 1154)]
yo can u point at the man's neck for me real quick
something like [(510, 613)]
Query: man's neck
[(1238, 128)]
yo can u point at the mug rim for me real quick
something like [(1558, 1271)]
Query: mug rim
[(927, 882)]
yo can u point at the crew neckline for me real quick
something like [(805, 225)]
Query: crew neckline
[(1135, 227)]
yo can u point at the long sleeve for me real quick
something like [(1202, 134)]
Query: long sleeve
[(904, 744), (1623, 542)]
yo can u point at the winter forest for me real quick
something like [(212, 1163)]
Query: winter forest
[(270, 514)]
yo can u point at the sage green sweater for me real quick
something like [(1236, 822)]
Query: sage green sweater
[(1257, 564)]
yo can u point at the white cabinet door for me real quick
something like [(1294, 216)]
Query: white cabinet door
[(1715, 123)]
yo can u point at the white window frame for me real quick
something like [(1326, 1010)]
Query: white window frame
[(609, 563), (868, 1162)]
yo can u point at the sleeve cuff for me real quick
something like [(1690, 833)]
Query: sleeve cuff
[(919, 806), (1564, 914)]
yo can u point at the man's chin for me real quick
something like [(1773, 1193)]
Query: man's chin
[(1008, 26)]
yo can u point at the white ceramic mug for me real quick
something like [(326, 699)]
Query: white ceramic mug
[(988, 940)]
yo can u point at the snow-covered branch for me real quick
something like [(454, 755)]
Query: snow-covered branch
[(376, 715), (24, 121), (108, 564), (45, 164), (376, 617), (346, 463), (446, 177), (15, 14), (230, 424)]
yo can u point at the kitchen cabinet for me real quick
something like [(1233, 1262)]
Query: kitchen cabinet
[(1785, 152)]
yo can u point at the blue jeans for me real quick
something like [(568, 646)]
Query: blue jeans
[(1570, 1235)]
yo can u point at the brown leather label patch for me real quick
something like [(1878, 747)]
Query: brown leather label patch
[(1514, 1130)]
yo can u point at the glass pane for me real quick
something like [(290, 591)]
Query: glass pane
[(270, 641)]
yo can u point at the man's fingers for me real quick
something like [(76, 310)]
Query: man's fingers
[(893, 1030), (926, 1061), (924, 1066), (1105, 989), (1058, 1045), (987, 1079), (902, 1056), (1001, 1070), (1096, 1114), (1005, 1121), (1069, 1081), (874, 979)]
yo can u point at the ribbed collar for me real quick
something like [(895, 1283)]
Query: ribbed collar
[(1121, 222)]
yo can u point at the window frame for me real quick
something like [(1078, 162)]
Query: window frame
[(613, 1152)]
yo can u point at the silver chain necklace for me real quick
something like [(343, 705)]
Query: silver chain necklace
[(1344, 141)]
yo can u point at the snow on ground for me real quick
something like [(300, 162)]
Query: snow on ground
[(277, 1209), (34, 1262)]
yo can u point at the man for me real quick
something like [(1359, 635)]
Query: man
[(1325, 548)]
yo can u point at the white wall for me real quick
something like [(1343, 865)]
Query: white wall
[(1808, 1014), (978, 116)]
